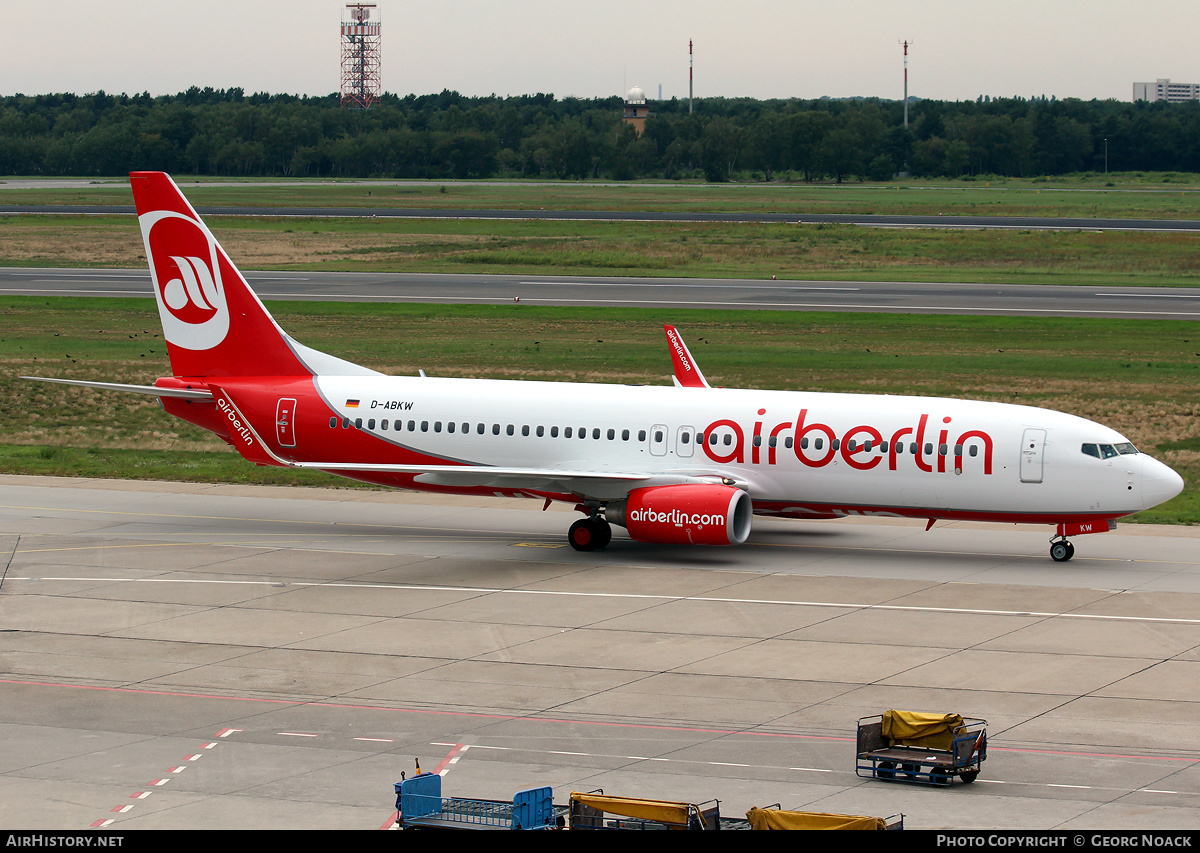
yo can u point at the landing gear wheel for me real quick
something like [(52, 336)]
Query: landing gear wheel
[(1061, 551), (589, 534)]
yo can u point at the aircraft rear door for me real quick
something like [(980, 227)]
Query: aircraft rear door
[(1033, 445), (285, 422), (658, 440)]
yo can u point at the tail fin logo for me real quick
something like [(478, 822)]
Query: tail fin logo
[(186, 264)]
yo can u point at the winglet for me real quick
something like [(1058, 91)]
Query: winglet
[(687, 372)]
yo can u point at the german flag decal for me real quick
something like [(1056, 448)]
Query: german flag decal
[(352, 404)]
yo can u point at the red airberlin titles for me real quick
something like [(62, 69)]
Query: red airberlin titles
[(689, 464)]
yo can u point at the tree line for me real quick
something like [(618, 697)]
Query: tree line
[(448, 135)]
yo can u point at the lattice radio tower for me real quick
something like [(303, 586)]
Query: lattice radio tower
[(360, 56)]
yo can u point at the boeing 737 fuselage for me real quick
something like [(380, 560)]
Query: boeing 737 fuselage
[(673, 465)]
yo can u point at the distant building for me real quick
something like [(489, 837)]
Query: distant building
[(636, 109), (1165, 90)]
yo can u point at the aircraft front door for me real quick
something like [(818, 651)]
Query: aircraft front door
[(684, 444), (1033, 445), (285, 422)]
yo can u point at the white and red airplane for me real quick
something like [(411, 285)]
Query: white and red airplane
[(672, 465)]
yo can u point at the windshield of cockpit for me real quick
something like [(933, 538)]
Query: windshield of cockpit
[(1108, 451)]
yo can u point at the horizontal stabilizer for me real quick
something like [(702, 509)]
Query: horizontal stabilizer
[(154, 390)]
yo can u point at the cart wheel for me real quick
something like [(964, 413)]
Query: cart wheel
[(885, 770), (969, 776), (940, 776), (910, 770)]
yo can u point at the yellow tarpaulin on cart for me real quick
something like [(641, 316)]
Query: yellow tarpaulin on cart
[(662, 811), (777, 819), (926, 731)]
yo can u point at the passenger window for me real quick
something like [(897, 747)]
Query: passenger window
[(358, 423), (479, 428), (595, 432), (437, 426), (541, 431), (371, 424), (787, 442), (424, 426), (641, 435), (412, 426), (612, 433), (525, 430), (624, 435), (450, 427), (567, 432), (333, 422), (383, 424), (554, 432)]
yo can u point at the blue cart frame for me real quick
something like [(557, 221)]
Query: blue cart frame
[(878, 759)]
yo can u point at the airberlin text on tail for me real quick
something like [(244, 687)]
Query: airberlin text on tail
[(213, 322)]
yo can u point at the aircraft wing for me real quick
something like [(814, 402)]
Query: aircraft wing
[(603, 485)]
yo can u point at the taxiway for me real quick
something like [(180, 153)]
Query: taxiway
[(196, 656)]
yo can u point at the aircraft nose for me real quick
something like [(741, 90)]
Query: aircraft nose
[(1160, 483)]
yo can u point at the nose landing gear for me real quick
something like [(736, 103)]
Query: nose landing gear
[(1061, 549)]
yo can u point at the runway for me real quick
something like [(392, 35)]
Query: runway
[(1153, 303), (1038, 223), (199, 656)]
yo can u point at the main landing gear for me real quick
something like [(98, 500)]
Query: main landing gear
[(1061, 549), (589, 534)]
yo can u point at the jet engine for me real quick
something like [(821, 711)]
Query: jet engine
[(694, 514)]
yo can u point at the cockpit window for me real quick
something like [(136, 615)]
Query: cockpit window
[(1091, 450), (1107, 451), (1126, 449)]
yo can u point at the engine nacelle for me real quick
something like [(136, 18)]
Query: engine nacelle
[(694, 514)]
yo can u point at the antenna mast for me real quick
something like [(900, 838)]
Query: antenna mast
[(906, 43), (361, 84)]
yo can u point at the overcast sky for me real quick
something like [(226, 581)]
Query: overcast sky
[(961, 49)]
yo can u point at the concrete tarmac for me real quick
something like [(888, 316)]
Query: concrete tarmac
[(204, 656)]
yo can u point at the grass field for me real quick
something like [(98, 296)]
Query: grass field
[(1139, 377), (1153, 196), (720, 250)]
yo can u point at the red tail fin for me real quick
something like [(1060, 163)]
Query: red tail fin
[(213, 322)]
